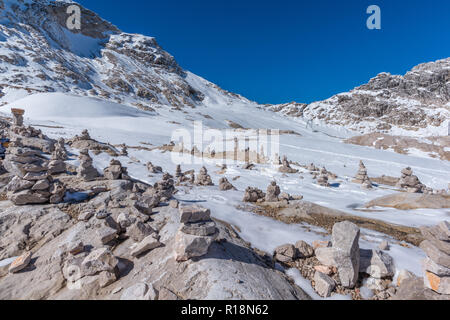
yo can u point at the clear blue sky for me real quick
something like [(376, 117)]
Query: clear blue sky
[(287, 50)]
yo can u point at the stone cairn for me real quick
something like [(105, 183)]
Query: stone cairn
[(410, 182), (124, 151), (254, 195), (437, 263), (225, 185), (286, 167), (18, 117), (362, 177), (203, 178), (273, 191), (340, 265), (322, 180), (154, 169), (196, 234), (84, 135), (60, 150), (166, 187), (180, 176), (32, 183), (115, 171), (86, 170), (59, 155)]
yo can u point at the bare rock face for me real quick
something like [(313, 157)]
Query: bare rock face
[(203, 178), (225, 185), (386, 102), (437, 264), (139, 291), (86, 170), (273, 191)]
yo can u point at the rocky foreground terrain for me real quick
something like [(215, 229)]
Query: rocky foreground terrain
[(114, 212)]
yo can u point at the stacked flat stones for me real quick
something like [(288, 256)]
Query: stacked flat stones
[(196, 234), (273, 192), (410, 182), (322, 180), (165, 188), (59, 155), (115, 171), (32, 183), (286, 167), (225, 185), (154, 169), (362, 177), (86, 170), (203, 178), (437, 263)]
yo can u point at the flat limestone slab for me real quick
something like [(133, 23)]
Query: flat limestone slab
[(410, 201)]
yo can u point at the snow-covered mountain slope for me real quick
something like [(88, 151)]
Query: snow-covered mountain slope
[(416, 104), (39, 54)]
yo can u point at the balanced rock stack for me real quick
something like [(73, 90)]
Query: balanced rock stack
[(286, 167), (410, 182), (273, 191), (196, 233), (154, 169), (322, 180), (59, 155), (203, 178), (180, 175), (225, 185), (437, 263), (312, 168), (253, 195), (115, 171), (165, 188), (86, 170), (31, 183), (362, 177), (18, 117), (84, 135)]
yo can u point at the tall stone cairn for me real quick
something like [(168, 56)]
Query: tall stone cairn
[(322, 180), (362, 177), (86, 170), (273, 191), (32, 183), (203, 178)]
